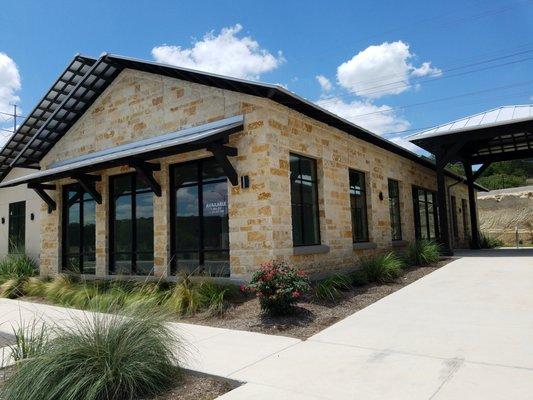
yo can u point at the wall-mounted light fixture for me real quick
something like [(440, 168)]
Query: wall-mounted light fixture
[(3, 220), (32, 216), (381, 196), (245, 181)]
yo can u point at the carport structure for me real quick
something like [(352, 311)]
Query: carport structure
[(500, 134)]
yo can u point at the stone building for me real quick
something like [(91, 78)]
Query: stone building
[(145, 169)]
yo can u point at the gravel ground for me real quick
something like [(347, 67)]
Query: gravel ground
[(198, 387), (310, 316)]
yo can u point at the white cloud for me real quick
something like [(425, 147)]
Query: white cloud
[(225, 54), (9, 83), (324, 82), (403, 142), (377, 119), (381, 70)]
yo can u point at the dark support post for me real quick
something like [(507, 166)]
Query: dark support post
[(87, 183), (443, 210), (40, 190), (472, 206), (221, 153), (146, 171)]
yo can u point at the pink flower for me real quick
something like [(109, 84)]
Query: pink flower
[(296, 294)]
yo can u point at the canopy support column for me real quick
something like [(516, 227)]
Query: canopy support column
[(443, 209), (40, 190), (472, 205)]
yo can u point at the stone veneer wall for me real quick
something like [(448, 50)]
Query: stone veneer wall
[(139, 105)]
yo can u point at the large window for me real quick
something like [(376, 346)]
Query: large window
[(79, 231), (358, 206), (17, 227), (426, 215), (394, 210), (304, 201), (131, 226), (199, 205), (455, 226)]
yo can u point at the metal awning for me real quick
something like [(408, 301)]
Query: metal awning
[(50, 102), (211, 136)]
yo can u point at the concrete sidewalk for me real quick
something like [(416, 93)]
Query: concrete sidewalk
[(462, 332)]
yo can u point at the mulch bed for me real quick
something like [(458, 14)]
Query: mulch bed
[(310, 316), (198, 387)]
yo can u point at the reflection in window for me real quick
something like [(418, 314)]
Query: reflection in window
[(17, 227), (200, 240), (79, 231), (394, 210), (358, 206), (131, 226), (426, 216), (304, 201)]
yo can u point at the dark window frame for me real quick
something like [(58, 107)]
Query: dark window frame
[(12, 220), (201, 250), (395, 209), (464, 208), (81, 232), (359, 237), (317, 205), (455, 221), (112, 218), (416, 211)]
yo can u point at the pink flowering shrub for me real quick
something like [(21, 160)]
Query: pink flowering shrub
[(278, 286)]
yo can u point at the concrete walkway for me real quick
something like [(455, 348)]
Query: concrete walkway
[(462, 332)]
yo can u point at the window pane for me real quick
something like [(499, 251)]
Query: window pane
[(212, 171), (215, 196), (145, 222), (304, 201), (123, 224), (187, 218), (186, 174), (217, 263), (17, 227), (145, 263), (122, 184), (123, 264), (394, 209), (72, 264), (358, 205), (89, 227), (73, 229), (89, 263), (188, 262)]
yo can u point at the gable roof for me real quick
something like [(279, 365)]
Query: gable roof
[(95, 75)]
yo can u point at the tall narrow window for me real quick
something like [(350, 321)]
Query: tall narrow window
[(200, 233), (79, 231), (455, 226), (426, 214), (131, 226), (464, 207), (304, 201), (17, 227), (394, 209), (358, 206)]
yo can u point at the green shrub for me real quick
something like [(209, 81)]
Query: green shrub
[(422, 252), (278, 286), (18, 266), (35, 287), (488, 242), (30, 340), (359, 278), (383, 268), (185, 298), (100, 357), (331, 288)]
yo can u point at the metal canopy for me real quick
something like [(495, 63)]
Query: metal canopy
[(107, 67), (136, 153), (64, 84), (501, 134)]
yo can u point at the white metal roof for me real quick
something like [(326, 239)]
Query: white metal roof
[(140, 147), (497, 116)]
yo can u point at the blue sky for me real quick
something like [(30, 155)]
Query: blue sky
[(374, 57)]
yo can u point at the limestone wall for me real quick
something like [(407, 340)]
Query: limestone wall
[(139, 105)]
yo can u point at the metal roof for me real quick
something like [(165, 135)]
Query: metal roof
[(62, 114), (490, 118), (140, 150), (51, 101)]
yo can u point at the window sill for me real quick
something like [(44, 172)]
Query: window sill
[(364, 246), (305, 250), (399, 243)]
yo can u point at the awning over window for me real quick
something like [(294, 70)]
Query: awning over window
[(211, 136)]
